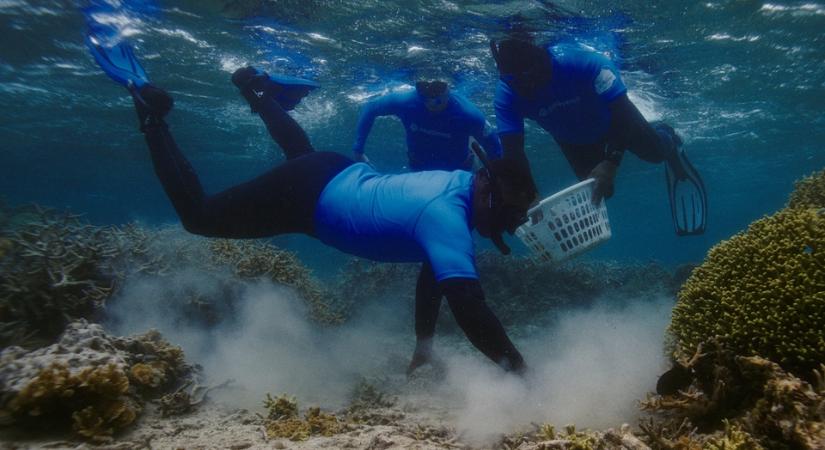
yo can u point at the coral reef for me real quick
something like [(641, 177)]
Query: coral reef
[(58, 268), (94, 381), (755, 400), (748, 338), (515, 287), (53, 270), (762, 292), (809, 192), (259, 260)]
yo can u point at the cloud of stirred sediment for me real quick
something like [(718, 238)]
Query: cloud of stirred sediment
[(265, 342), (590, 369)]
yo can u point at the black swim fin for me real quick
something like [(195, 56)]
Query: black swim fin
[(688, 199)]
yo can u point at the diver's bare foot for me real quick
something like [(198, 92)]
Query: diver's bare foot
[(418, 360)]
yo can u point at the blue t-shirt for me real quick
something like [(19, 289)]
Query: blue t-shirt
[(409, 217), (573, 106), (437, 140)]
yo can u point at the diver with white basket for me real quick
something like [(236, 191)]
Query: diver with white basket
[(577, 95)]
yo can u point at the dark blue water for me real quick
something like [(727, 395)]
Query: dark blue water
[(742, 81)]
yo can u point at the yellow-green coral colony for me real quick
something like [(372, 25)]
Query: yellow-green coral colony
[(762, 292), (809, 192)]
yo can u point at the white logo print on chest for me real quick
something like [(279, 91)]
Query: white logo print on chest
[(416, 129), (547, 110)]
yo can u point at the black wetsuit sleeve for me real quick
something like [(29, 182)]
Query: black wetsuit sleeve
[(479, 323), (427, 302)]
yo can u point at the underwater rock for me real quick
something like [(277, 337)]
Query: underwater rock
[(93, 381)]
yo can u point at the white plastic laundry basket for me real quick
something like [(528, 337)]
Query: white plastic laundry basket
[(565, 224)]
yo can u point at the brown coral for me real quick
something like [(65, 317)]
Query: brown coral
[(86, 379), (95, 399), (151, 375), (283, 421)]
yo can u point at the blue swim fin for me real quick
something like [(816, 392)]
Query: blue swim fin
[(119, 62), (290, 82), (688, 198)]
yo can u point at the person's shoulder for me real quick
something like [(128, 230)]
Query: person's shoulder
[(395, 97), (577, 57), (504, 94), (466, 105)]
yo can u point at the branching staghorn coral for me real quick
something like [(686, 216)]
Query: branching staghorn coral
[(52, 271), (754, 404), (57, 268), (259, 260)]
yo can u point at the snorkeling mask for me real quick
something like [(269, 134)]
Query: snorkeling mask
[(504, 216), (522, 72)]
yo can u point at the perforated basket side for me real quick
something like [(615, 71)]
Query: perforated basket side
[(565, 224)]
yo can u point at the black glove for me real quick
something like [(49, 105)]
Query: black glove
[(152, 105)]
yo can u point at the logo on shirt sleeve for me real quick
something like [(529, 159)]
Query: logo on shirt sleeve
[(604, 81)]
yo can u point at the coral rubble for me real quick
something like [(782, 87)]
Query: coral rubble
[(749, 400)]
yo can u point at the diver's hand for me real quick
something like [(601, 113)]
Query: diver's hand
[(604, 174)]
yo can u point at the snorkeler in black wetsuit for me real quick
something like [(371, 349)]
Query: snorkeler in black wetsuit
[(302, 196)]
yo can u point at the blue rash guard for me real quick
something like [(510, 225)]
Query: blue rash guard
[(573, 106), (409, 217), (435, 140)]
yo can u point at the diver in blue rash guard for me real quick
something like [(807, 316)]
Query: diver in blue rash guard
[(439, 124), (414, 217), (577, 95)]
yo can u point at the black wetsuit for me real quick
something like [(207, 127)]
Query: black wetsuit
[(283, 200), (629, 130)]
